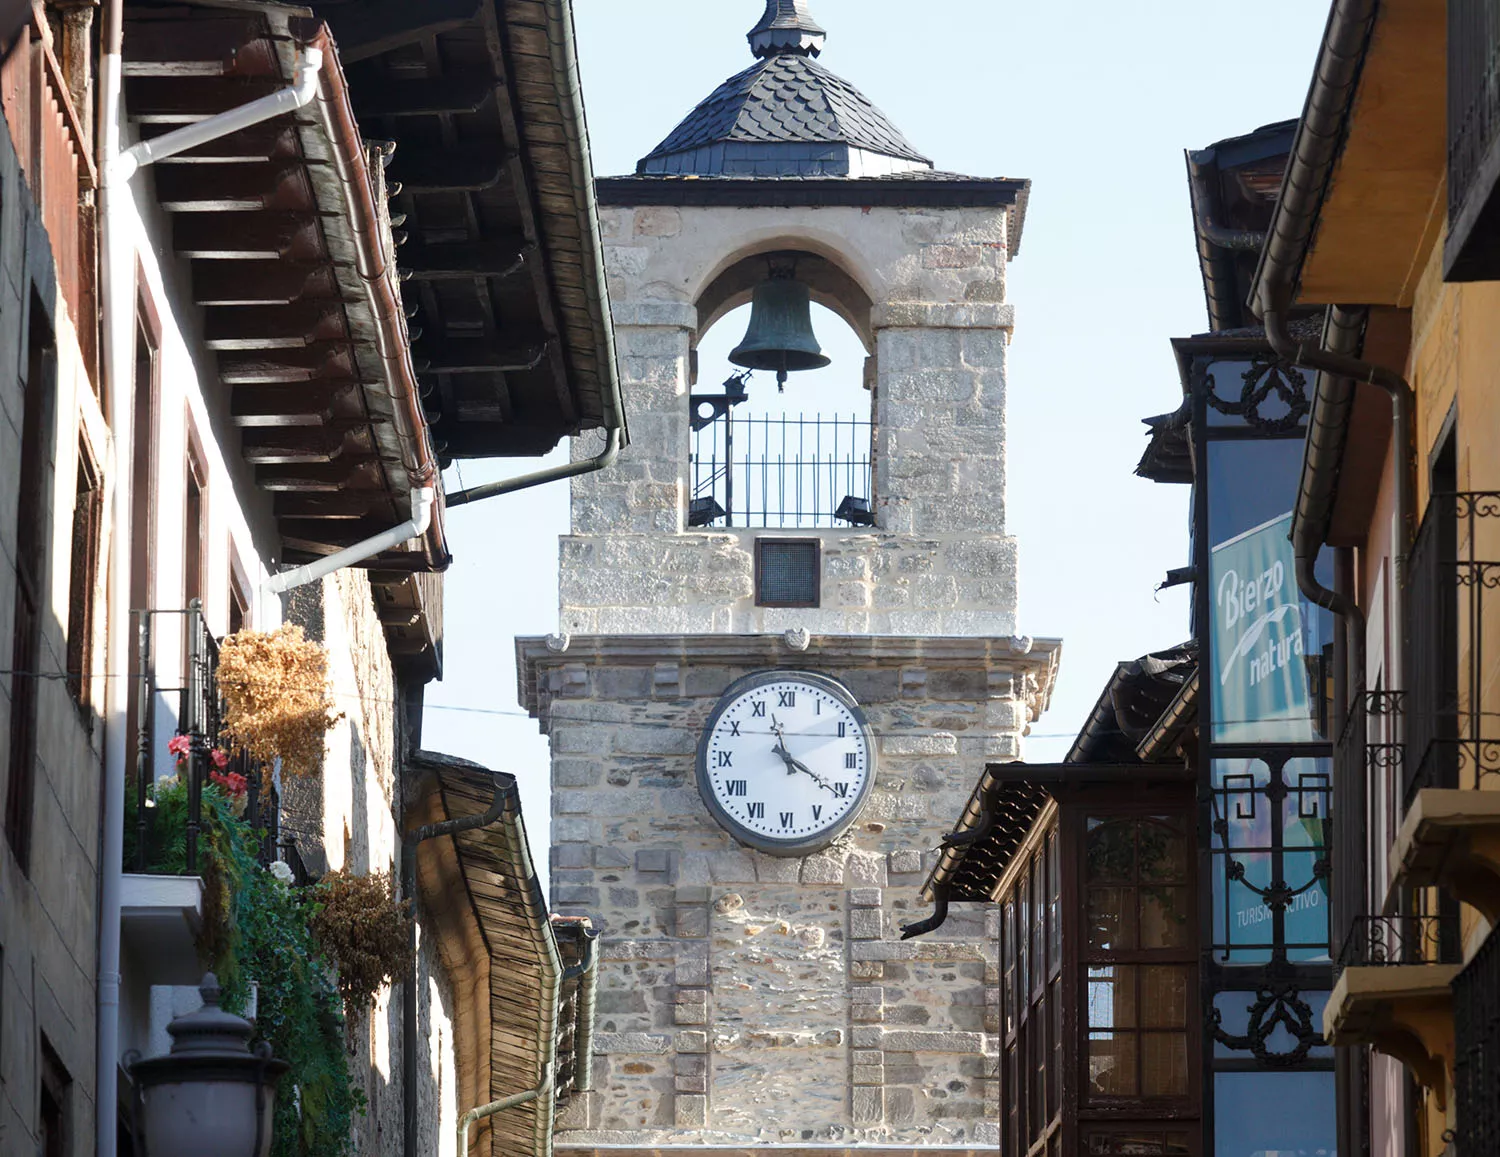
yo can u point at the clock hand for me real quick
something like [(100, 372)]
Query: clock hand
[(794, 765)]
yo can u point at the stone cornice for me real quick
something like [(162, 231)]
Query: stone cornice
[(1035, 657)]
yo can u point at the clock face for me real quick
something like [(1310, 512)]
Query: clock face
[(786, 761)]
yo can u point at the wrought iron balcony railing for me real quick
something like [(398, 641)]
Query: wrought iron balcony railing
[(785, 472), (199, 722), (1471, 252), (1383, 941), (1452, 738), (1476, 1067)]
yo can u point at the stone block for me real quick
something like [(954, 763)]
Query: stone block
[(919, 1041), (625, 1043), (570, 830), (987, 1133), (692, 923), (823, 869), (866, 970), (732, 868), (571, 856), (694, 894), (653, 860), (939, 744), (867, 1105), (575, 894), (692, 973), (777, 869), (691, 1041), (690, 1006), (867, 994), (905, 862), (610, 858), (617, 683), (865, 897), (692, 1073), (868, 1038), (866, 868), (690, 1111), (576, 773), (900, 1107), (867, 1074)]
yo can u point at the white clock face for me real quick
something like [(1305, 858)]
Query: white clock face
[(786, 761)]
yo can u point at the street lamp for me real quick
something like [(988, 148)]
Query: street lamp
[(212, 1095)]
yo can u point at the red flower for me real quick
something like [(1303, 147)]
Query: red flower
[(178, 745), (234, 784), (220, 758)]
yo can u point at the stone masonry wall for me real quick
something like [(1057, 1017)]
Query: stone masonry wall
[(939, 561), (746, 998), (48, 916)]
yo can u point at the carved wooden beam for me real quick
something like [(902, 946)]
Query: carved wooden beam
[(369, 29), (475, 356), (247, 235), (260, 282), (444, 262)]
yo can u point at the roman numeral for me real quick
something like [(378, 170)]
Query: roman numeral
[(758, 709), (756, 811), (841, 790), (817, 706), (843, 730), (737, 787), (734, 727), (817, 812), (786, 819), (851, 761), (726, 758), (786, 698)]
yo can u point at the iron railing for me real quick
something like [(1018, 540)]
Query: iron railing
[(1476, 1067), (1473, 94), (1383, 941), (1451, 738), (199, 718), (792, 471)]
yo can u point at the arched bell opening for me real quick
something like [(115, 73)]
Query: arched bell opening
[(795, 454)]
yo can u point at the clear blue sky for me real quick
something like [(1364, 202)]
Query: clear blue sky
[(1095, 102)]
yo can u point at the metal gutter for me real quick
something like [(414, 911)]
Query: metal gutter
[(377, 270), (1178, 714)]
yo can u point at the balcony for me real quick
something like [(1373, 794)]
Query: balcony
[(1476, 1068), (1393, 991), (167, 823), (1450, 830), (779, 472), (1472, 250)]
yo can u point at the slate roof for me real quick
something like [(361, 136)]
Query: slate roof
[(785, 100)]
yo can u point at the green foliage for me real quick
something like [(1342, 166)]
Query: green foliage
[(364, 930), (258, 930)]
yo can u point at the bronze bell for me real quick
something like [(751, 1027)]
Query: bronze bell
[(781, 335)]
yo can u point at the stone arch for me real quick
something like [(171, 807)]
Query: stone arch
[(826, 270)]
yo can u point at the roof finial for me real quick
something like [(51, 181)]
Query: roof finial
[(787, 27)]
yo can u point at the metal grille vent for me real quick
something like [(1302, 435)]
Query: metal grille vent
[(788, 572)]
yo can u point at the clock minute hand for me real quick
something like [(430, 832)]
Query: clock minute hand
[(794, 765)]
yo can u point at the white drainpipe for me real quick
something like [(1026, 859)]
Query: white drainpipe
[(422, 502), (116, 169)]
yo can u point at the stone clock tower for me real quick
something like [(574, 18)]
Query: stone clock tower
[(762, 721)]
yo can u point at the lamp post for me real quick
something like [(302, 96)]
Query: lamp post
[(212, 1095)]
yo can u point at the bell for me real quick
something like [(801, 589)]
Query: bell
[(781, 335)]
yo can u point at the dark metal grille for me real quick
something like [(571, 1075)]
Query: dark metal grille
[(780, 472), (1452, 574), (1476, 1069), (1473, 93), (200, 718), (1379, 941), (788, 572)]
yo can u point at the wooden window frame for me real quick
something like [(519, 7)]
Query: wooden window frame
[(88, 514), (195, 530)]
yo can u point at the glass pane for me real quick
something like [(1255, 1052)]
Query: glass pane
[(1111, 851), (1054, 1003), (1112, 1064), (1241, 918), (1038, 922), (1023, 937), (1282, 1113), (1163, 851), (1054, 905), (1111, 923), (1165, 918), (1164, 996), (1164, 1071), (1307, 915), (1270, 647), (1111, 996), (1305, 810)]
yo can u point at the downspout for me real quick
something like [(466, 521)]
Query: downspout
[(586, 973), (542, 477), (467, 1121), (938, 918), (422, 502), (114, 362), (505, 795)]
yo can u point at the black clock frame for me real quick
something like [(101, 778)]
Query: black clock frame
[(772, 847)]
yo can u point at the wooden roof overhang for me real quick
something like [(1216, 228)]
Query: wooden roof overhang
[(532, 1007), (1384, 205), (1002, 812), (493, 196), (285, 233)]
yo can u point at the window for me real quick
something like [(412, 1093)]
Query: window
[(144, 386), (788, 572), (1031, 997), (1138, 976), (239, 598), (88, 507), (194, 523), (39, 403), (52, 1115)]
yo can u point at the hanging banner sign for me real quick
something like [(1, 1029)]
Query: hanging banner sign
[(1260, 650)]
